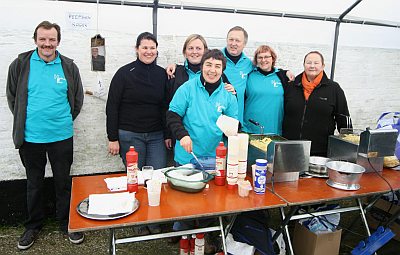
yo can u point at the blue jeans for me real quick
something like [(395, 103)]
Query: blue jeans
[(150, 147)]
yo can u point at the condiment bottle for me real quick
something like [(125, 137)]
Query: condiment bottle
[(243, 149), (192, 244), (184, 246), (260, 176), (233, 162), (132, 170), (199, 244), (220, 164)]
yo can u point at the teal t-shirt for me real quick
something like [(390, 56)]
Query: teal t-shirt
[(237, 76), (199, 112), (264, 103), (48, 113)]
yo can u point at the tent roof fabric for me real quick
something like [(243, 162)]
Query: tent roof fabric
[(367, 12)]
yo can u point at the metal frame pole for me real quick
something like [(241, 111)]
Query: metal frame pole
[(335, 43), (155, 15)]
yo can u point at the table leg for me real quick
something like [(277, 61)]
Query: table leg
[(364, 219), (285, 228), (285, 221), (230, 224), (221, 225), (112, 242), (366, 209)]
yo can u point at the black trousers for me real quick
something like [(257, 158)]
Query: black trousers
[(33, 157)]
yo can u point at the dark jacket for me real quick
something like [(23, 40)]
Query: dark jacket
[(17, 91), (316, 118), (137, 99), (181, 77)]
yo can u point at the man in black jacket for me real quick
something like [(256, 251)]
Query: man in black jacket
[(45, 95)]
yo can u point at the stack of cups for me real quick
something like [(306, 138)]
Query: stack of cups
[(147, 173), (154, 192), (243, 148), (232, 162)]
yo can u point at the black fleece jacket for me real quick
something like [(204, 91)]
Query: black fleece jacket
[(137, 99), (316, 118)]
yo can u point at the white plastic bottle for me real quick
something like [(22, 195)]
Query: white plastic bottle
[(199, 244), (192, 244), (243, 150), (232, 162)]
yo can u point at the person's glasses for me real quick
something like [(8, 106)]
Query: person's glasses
[(263, 57)]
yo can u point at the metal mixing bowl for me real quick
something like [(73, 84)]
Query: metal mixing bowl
[(179, 179), (344, 175)]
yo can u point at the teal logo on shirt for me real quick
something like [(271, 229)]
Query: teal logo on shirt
[(276, 83), (59, 79), (220, 108)]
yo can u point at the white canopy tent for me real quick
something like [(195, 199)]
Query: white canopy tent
[(380, 14)]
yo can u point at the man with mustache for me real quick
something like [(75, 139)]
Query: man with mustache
[(45, 95)]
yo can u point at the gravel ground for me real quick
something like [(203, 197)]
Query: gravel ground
[(51, 241)]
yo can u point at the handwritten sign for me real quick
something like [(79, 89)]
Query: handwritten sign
[(78, 20)]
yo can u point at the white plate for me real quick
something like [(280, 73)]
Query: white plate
[(83, 207)]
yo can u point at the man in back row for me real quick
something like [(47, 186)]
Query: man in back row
[(45, 95), (238, 65)]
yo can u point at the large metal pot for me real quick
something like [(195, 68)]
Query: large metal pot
[(344, 175), (318, 165)]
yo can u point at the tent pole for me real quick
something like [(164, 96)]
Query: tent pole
[(155, 13), (335, 43)]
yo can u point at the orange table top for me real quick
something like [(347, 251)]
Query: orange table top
[(393, 177), (174, 205), (315, 190)]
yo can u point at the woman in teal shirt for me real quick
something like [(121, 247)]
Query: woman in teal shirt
[(264, 94), (195, 108)]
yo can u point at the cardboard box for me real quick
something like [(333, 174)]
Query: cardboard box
[(306, 242), (379, 214)]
